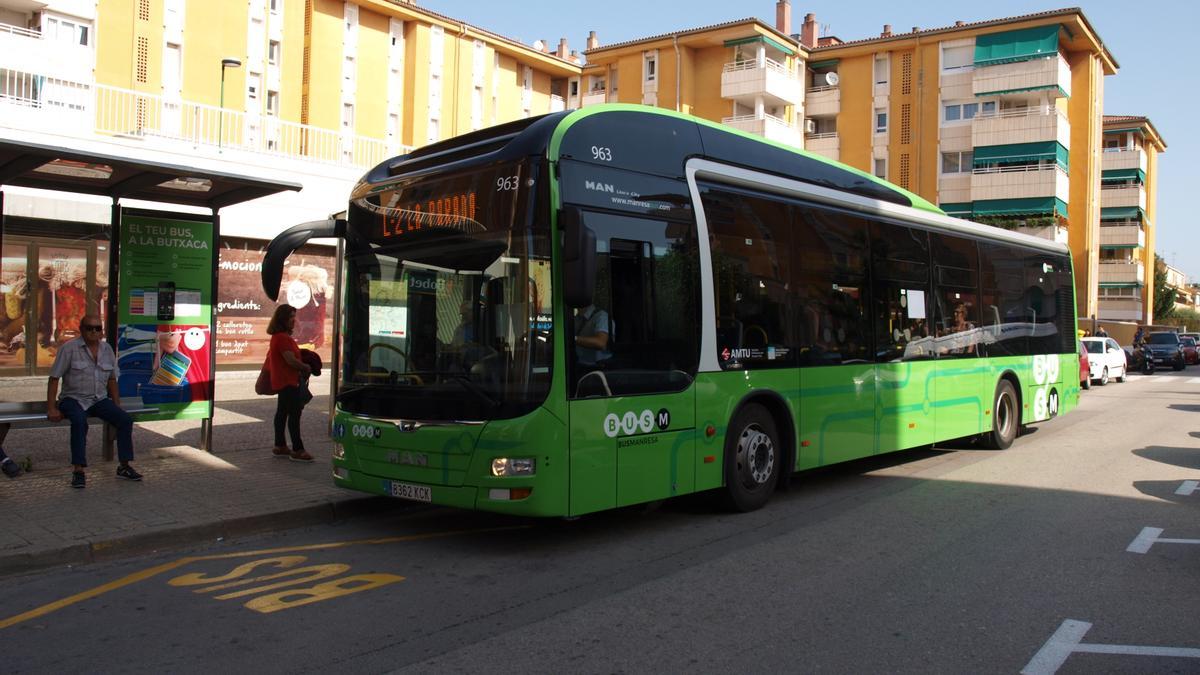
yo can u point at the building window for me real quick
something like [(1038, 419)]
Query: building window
[(651, 67), (574, 87), (275, 5), (880, 120), (961, 112), (881, 168), (957, 162), (958, 58), (273, 103), (273, 49), (881, 70), (253, 82)]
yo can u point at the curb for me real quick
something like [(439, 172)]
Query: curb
[(165, 540)]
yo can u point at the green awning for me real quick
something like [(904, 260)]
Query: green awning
[(1120, 284), (1022, 152), (763, 39), (1122, 175), (1122, 213), (1027, 206), (958, 208), (1016, 45), (827, 63), (1044, 87)]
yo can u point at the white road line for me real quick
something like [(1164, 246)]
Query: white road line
[(1144, 540), (1188, 487), (1056, 650), (1066, 641), (1149, 537)]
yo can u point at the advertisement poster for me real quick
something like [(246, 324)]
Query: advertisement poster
[(243, 311), (165, 314)]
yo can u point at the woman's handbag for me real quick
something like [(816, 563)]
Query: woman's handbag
[(262, 386)]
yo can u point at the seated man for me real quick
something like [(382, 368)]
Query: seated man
[(592, 327), (7, 465), (87, 367)]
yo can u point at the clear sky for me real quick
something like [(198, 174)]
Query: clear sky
[(1153, 41)]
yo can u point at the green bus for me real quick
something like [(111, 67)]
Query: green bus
[(621, 304)]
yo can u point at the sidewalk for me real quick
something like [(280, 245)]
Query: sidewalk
[(188, 496)]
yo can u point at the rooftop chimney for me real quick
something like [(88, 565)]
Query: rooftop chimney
[(593, 42), (887, 30), (958, 23), (808, 31), (562, 48), (783, 17), (916, 29)]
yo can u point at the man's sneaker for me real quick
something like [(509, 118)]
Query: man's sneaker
[(280, 451), (125, 471), (10, 468), (78, 480), (301, 456)]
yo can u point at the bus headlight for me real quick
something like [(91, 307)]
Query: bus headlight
[(520, 466)]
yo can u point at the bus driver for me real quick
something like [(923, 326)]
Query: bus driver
[(592, 327)]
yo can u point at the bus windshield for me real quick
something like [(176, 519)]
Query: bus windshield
[(449, 315)]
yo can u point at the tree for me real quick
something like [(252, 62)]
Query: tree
[(1164, 295)]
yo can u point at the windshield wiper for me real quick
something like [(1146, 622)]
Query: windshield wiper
[(473, 388)]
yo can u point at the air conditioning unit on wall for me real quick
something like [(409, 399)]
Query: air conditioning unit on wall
[(810, 126)]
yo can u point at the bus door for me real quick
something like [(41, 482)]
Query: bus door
[(631, 358)]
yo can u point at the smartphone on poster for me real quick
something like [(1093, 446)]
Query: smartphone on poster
[(166, 301)]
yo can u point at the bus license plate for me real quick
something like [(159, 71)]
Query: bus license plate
[(419, 493)]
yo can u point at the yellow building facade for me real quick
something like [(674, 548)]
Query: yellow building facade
[(1128, 213)]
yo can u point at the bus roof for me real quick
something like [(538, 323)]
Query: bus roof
[(662, 142)]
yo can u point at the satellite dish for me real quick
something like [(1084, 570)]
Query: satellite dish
[(831, 79)]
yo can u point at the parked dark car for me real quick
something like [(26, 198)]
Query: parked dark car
[(1135, 357), (1166, 349), (1191, 355)]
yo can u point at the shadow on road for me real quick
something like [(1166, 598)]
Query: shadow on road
[(1188, 458)]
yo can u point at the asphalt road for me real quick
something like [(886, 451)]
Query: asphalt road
[(953, 560)]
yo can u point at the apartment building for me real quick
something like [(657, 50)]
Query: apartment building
[(304, 92), (1128, 205), (746, 74), (998, 121)]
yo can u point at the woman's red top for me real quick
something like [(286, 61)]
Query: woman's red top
[(283, 375)]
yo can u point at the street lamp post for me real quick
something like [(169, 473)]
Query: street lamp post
[(225, 63)]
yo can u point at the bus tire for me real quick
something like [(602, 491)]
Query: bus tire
[(753, 458), (1006, 417)]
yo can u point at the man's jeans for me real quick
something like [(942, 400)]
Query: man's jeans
[(106, 410)]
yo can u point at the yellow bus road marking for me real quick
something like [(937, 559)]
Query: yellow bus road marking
[(167, 567)]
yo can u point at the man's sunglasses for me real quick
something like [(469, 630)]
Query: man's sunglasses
[(93, 328)]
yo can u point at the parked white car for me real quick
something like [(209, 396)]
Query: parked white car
[(1106, 359)]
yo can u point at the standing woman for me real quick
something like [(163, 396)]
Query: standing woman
[(286, 370)]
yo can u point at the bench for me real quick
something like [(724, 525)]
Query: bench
[(32, 415)]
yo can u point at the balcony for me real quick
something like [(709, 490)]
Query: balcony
[(823, 101), (1121, 194), (826, 145), (27, 51), (770, 80), (1114, 160), (36, 102), (1021, 125), (1122, 236), (1051, 73), (767, 126), (1121, 309), (1122, 272), (1020, 182), (595, 97), (557, 104)]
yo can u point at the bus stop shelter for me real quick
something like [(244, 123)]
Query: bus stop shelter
[(182, 246)]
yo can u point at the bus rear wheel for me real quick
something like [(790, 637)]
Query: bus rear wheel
[(753, 458), (1005, 418)]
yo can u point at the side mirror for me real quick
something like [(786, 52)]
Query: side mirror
[(579, 259)]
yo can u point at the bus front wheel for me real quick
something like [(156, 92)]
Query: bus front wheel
[(753, 459), (1005, 417)]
